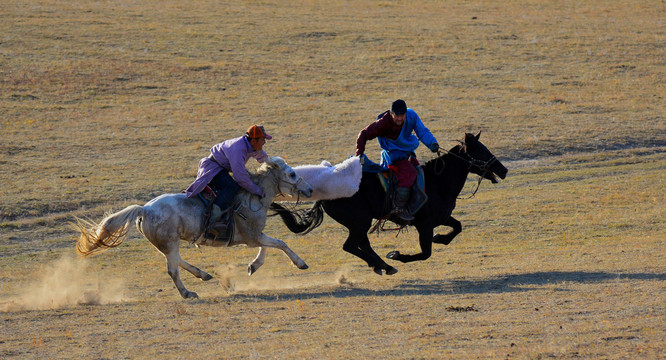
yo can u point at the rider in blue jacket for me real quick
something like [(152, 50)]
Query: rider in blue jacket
[(394, 130)]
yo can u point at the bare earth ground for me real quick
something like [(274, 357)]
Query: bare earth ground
[(106, 104)]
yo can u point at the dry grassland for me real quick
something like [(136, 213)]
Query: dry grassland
[(106, 104)]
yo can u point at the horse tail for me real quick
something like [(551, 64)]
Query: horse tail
[(301, 221), (96, 238)]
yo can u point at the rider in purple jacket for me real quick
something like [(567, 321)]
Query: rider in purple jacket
[(230, 157)]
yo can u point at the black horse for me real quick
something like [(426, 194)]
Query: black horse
[(445, 177)]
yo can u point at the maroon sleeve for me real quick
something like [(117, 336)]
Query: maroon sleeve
[(380, 127)]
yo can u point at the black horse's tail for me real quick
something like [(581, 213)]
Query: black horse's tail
[(301, 221)]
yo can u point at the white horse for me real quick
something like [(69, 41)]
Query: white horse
[(169, 218)]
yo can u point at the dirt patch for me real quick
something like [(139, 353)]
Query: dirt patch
[(461, 308)]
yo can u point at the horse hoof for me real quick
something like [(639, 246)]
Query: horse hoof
[(304, 267), (190, 295), (378, 271), (206, 277), (391, 271), (393, 255), (251, 270), (442, 239)]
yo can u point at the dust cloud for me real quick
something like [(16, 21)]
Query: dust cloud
[(65, 282), (232, 283)]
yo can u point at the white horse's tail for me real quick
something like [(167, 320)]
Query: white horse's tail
[(111, 232)]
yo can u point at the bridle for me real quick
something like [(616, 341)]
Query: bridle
[(483, 166), (277, 181), (293, 189)]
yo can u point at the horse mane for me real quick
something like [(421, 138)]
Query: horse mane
[(430, 165), (458, 150), (271, 163)]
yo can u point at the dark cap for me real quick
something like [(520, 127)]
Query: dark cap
[(399, 107)]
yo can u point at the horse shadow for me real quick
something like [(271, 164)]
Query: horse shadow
[(511, 283)]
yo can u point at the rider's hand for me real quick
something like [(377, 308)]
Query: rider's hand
[(434, 147)]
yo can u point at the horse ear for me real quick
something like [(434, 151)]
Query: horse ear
[(478, 135), (275, 162), (271, 162)]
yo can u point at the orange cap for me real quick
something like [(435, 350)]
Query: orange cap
[(257, 131)]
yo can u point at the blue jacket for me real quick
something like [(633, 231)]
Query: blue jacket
[(401, 146)]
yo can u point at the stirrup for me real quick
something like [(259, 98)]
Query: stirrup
[(403, 214)]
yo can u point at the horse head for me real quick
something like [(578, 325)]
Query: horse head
[(482, 161), (287, 180)]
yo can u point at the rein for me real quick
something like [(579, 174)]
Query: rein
[(484, 166)]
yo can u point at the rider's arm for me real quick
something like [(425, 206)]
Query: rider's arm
[(378, 128), (422, 132), (237, 155), (260, 156)]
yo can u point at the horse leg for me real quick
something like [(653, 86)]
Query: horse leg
[(267, 241), (425, 240), (351, 247), (358, 244), (448, 237), (173, 261), (195, 270), (356, 218), (257, 262)]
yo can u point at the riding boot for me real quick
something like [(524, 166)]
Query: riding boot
[(216, 229), (400, 203), (217, 225)]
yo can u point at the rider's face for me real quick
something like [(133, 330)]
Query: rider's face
[(398, 119), (257, 143)]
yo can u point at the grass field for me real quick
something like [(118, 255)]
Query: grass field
[(107, 104)]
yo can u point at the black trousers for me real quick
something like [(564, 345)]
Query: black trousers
[(225, 187)]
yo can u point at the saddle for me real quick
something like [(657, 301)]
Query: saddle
[(417, 198), (214, 214)]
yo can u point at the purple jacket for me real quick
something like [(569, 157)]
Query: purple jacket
[(230, 155)]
